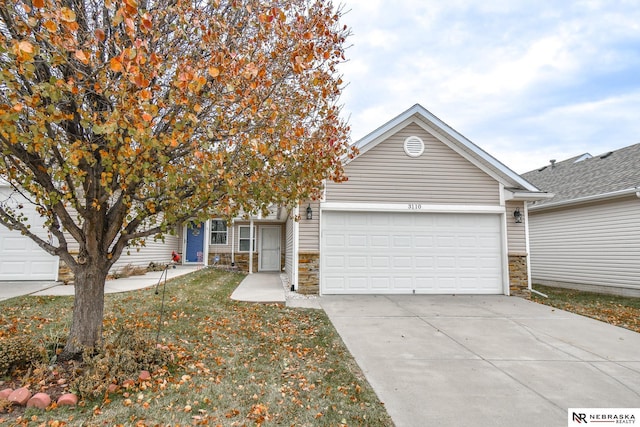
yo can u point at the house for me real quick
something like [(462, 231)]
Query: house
[(588, 235), (424, 210)]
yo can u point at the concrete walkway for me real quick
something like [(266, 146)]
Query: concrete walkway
[(14, 289), (260, 287)]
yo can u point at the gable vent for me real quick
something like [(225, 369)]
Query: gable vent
[(413, 146)]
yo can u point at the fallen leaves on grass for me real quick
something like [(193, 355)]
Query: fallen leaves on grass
[(230, 363)]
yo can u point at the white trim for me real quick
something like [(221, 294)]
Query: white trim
[(410, 207), (501, 193), (233, 235), (505, 254), (252, 243), (526, 242), (296, 246), (205, 249)]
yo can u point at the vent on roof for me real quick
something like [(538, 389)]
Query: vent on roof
[(413, 146), (605, 155), (585, 156)]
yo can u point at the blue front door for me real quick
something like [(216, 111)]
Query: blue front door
[(195, 243)]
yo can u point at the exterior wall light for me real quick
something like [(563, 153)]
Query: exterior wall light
[(309, 212), (517, 215)]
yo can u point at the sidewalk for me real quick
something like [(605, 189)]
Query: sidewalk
[(14, 289), (272, 288)]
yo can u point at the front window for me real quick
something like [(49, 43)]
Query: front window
[(245, 238), (218, 232)]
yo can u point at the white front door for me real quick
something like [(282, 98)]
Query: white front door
[(269, 248)]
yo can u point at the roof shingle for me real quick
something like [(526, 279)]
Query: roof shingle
[(584, 176)]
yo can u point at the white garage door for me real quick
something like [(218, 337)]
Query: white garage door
[(20, 257), (396, 253)]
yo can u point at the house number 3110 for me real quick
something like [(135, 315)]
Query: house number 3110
[(414, 206)]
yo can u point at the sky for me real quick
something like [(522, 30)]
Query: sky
[(527, 81)]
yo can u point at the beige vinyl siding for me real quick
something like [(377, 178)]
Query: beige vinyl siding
[(597, 244), (516, 233), (158, 252), (385, 174), (309, 230)]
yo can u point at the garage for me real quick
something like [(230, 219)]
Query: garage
[(410, 252), (20, 257)]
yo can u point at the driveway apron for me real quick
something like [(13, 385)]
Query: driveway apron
[(485, 360)]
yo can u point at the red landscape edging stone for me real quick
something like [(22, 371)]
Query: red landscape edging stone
[(4, 394), (39, 400), (20, 396), (68, 399)]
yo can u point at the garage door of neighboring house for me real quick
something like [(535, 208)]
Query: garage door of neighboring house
[(398, 253), (20, 257)]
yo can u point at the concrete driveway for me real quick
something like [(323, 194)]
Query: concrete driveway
[(485, 360)]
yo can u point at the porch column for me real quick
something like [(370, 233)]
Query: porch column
[(251, 237)]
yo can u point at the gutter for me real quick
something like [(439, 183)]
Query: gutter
[(586, 199), (526, 196)]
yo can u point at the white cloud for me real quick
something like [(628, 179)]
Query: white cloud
[(524, 80)]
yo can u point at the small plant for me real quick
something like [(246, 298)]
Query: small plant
[(120, 359), (128, 271), (19, 352)]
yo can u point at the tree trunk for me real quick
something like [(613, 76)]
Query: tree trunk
[(88, 310)]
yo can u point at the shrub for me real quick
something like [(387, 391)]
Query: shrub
[(19, 352), (121, 358)]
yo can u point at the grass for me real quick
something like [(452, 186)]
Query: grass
[(233, 364), (616, 310)]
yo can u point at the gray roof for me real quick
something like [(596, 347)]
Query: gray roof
[(587, 176)]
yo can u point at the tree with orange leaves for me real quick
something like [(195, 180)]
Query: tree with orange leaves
[(120, 119)]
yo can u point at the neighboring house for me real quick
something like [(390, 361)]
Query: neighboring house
[(22, 259), (424, 210), (588, 235)]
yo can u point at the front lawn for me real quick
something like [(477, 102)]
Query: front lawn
[(617, 310), (225, 363)]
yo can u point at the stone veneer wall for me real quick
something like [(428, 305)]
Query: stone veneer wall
[(241, 259), (309, 273), (518, 278)]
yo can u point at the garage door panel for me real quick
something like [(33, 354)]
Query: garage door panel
[(380, 241), (358, 283), (402, 242), (378, 261), (380, 283), (357, 261), (407, 252), (403, 283)]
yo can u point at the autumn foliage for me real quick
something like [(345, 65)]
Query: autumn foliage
[(122, 118)]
